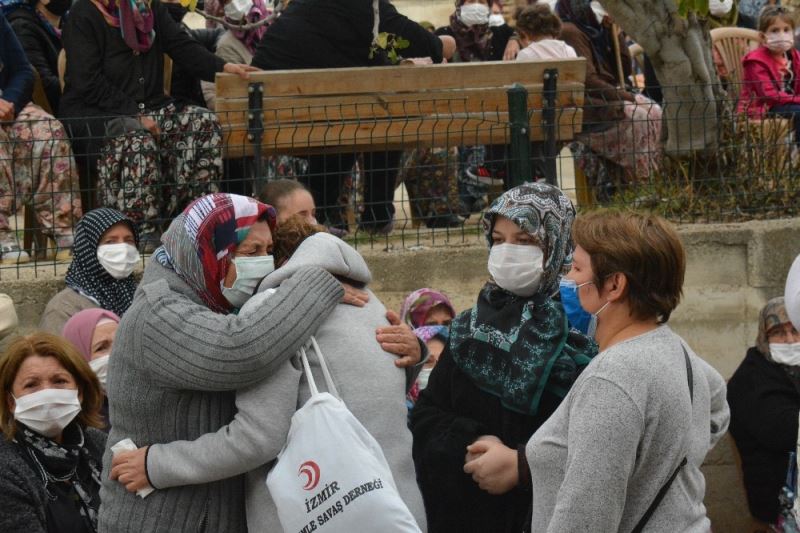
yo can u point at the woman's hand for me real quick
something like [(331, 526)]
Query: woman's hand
[(150, 125), (496, 468), (399, 339), (448, 47), (511, 51), (6, 111), (353, 296), (243, 71), (129, 468)]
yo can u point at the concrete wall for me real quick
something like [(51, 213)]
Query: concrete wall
[(732, 271)]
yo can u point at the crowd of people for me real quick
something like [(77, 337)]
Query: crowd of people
[(560, 400), (491, 419)]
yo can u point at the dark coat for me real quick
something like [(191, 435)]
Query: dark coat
[(16, 74), (106, 79), (451, 413), (41, 47), (23, 508), (185, 88), (500, 37), (764, 409), (605, 93), (337, 33)]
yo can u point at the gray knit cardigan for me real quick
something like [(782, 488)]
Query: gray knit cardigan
[(171, 375)]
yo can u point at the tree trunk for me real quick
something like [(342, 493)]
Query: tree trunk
[(680, 51)]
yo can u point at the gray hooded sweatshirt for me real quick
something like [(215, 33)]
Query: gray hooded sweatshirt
[(372, 387)]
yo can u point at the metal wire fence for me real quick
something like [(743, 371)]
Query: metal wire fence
[(398, 173)]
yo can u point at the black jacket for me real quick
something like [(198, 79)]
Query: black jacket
[(106, 78), (764, 409), (41, 47), (337, 33), (450, 414), (24, 500), (186, 88)]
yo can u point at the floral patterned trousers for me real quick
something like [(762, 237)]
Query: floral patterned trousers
[(152, 178), (36, 163)]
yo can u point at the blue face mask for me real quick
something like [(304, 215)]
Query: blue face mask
[(578, 318)]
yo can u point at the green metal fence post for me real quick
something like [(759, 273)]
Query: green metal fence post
[(520, 156), (255, 128)]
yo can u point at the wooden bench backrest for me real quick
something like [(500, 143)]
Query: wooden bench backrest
[(379, 108)]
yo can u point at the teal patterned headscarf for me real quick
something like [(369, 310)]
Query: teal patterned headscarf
[(512, 347)]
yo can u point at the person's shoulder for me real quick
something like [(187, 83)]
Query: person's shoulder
[(82, 9), (96, 442)]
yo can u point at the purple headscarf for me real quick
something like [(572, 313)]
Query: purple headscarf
[(418, 303), (251, 38), (79, 329)]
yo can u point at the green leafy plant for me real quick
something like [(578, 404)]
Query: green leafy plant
[(388, 44), (698, 6)]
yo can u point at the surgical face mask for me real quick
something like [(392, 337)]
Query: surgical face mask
[(100, 367), (496, 19), (474, 14), (599, 11), (237, 10), (58, 7), (517, 268), (785, 354), (48, 411), (249, 273), (780, 41), (578, 318), (119, 260), (422, 378), (591, 328)]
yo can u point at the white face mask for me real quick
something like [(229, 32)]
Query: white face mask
[(237, 10), (780, 42), (517, 268), (48, 411), (599, 11), (474, 14), (496, 19), (785, 354), (119, 260), (422, 378), (100, 367), (249, 273)]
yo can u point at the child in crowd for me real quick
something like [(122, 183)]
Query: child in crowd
[(539, 30), (435, 338), (772, 71), (427, 307), (289, 197)]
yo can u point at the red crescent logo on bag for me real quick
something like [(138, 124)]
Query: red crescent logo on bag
[(310, 469)]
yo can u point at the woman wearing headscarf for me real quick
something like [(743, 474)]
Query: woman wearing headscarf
[(92, 332), (35, 157), (50, 447), (764, 397), (618, 125), (100, 275), (155, 155), (235, 45), (508, 364), (182, 348), (427, 307)]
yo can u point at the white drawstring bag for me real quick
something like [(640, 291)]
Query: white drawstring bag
[(331, 475)]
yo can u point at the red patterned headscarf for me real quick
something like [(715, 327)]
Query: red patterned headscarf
[(134, 18), (199, 242)]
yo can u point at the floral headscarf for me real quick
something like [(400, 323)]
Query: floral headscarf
[(418, 303), (544, 212), (426, 333), (199, 242), (86, 275), (773, 314), (251, 38), (512, 347), (134, 18), (473, 43)]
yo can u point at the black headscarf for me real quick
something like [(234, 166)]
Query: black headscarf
[(86, 275), (579, 13)]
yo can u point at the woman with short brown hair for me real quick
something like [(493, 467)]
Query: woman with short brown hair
[(625, 446), (52, 452)]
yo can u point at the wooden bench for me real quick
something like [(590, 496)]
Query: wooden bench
[(404, 107)]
